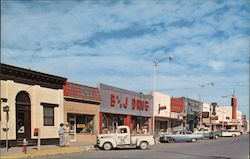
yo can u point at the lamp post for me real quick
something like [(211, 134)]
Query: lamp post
[(154, 76), (201, 106), (156, 64)]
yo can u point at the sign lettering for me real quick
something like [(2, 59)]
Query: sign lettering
[(136, 104)]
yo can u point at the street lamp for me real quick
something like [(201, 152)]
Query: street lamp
[(201, 106), (156, 64)]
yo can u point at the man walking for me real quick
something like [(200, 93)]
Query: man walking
[(61, 135)]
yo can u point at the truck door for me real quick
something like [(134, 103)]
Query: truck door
[(123, 137)]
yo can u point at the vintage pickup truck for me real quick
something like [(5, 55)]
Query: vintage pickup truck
[(122, 138)]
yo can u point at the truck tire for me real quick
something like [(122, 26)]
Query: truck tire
[(216, 137), (107, 146), (193, 140), (143, 145), (233, 135)]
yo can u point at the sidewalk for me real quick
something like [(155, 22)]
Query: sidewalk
[(16, 152)]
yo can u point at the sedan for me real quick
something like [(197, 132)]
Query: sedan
[(181, 136)]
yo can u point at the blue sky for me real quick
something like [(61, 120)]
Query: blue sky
[(116, 42)]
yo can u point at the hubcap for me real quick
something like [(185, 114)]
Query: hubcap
[(107, 146)]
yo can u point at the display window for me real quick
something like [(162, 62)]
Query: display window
[(111, 121), (139, 125), (84, 123)]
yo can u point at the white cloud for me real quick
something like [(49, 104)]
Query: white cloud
[(217, 65)]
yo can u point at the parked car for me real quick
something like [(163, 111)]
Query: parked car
[(181, 136), (207, 134), (230, 133), (122, 138)]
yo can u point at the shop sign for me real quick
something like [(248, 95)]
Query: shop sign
[(214, 117), (192, 103), (205, 114), (121, 101), (137, 104), (80, 125), (161, 108)]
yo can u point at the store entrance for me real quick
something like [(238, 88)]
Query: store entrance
[(23, 116), (72, 131)]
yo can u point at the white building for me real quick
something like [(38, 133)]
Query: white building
[(35, 100), (161, 112)]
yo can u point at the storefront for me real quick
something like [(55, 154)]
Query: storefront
[(178, 114), (30, 101), (194, 110), (162, 113), (81, 111), (124, 107)]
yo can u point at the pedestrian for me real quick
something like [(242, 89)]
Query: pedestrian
[(67, 129), (61, 132)]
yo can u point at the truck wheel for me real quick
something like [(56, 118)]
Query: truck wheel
[(193, 140), (143, 145), (233, 135), (216, 137), (107, 146)]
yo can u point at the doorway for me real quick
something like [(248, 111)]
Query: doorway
[(23, 116), (72, 131)]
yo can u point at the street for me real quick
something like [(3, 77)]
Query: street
[(230, 148)]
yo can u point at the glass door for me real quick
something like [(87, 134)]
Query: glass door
[(72, 131)]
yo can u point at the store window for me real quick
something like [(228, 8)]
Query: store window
[(84, 123), (140, 125), (48, 116), (110, 122)]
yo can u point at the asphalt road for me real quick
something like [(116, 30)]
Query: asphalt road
[(223, 148)]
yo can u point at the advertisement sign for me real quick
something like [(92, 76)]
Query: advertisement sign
[(161, 105)]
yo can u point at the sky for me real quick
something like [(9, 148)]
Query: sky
[(115, 43)]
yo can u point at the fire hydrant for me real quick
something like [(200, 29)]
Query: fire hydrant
[(25, 142)]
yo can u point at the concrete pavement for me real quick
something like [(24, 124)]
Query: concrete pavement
[(46, 150)]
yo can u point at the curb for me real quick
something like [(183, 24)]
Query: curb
[(52, 151)]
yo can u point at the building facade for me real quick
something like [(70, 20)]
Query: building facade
[(178, 114), (30, 100), (124, 107), (162, 112), (81, 111)]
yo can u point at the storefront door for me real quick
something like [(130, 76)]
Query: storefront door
[(72, 131), (23, 116)]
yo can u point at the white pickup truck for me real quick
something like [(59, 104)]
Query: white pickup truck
[(122, 138)]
